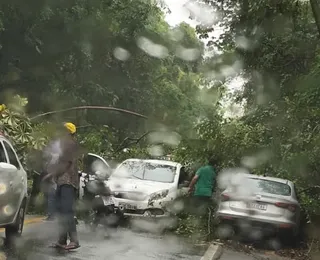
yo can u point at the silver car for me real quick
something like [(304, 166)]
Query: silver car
[(266, 203), (13, 190)]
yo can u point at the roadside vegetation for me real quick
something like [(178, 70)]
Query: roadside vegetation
[(60, 54)]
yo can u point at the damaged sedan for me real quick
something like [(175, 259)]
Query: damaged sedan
[(146, 188)]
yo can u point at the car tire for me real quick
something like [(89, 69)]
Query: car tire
[(15, 230), (290, 238), (112, 220)]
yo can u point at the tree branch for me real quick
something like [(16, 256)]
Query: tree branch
[(90, 107), (315, 6), (133, 140), (84, 126)]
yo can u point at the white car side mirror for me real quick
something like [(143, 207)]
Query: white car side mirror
[(7, 167)]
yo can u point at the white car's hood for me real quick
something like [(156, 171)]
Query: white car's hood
[(136, 185)]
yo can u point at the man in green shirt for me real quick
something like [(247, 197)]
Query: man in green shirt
[(202, 186)]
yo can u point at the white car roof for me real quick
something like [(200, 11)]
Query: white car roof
[(267, 178), (163, 162)]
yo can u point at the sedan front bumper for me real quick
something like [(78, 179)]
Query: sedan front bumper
[(142, 208)]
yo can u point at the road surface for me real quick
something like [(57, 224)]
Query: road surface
[(232, 255), (122, 244)]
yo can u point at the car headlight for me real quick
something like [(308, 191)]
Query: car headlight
[(158, 195), (3, 188)]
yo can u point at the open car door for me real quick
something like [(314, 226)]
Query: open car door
[(92, 165)]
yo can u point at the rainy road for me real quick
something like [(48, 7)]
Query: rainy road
[(121, 245)]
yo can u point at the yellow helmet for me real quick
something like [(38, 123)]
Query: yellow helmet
[(70, 127), (2, 107)]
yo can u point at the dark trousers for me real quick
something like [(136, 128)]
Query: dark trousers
[(200, 205), (51, 201), (65, 197)]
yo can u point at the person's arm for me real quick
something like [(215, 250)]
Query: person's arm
[(194, 181), (63, 161), (60, 168)]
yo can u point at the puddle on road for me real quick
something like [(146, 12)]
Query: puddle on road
[(123, 244)]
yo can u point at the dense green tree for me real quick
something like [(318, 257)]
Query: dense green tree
[(111, 53)]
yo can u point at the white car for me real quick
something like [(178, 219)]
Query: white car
[(145, 188), (93, 164), (13, 190), (260, 203)]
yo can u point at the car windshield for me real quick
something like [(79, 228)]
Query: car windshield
[(146, 171), (271, 187)]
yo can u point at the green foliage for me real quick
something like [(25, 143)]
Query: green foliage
[(17, 127), (96, 53)]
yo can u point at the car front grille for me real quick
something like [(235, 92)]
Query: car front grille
[(137, 196)]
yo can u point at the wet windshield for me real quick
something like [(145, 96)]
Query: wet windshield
[(232, 84), (146, 171)]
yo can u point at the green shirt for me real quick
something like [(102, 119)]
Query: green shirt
[(206, 181)]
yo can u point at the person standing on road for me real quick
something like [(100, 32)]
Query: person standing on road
[(49, 188), (50, 158), (202, 187), (65, 173)]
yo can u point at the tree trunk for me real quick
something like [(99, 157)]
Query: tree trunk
[(315, 6)]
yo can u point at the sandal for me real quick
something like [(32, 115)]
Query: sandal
[(58, 245), (72, 245)]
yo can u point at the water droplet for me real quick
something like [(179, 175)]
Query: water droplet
[(176, 34), (156, 150), (100, 168), (231, 176), (121, 54), (257, 159), (242, 42), (170, 138), (151, 48), (274, 244), (203, 13), (8, 210), (187, 54)]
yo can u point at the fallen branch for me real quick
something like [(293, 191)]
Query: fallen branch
[(84, 126), (91, 107), (133, 141)]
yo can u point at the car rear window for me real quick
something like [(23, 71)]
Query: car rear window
[(271, 187)]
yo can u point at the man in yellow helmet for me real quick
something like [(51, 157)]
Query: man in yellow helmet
[(65, 173), (2, 108), (71, 128)]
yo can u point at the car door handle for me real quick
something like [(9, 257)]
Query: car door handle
[(10, 183)]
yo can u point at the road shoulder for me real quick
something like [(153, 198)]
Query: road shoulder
[(213, 252), (29, 219)]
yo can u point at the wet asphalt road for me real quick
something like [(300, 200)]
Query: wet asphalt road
[(122, 244), (232, 255)]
